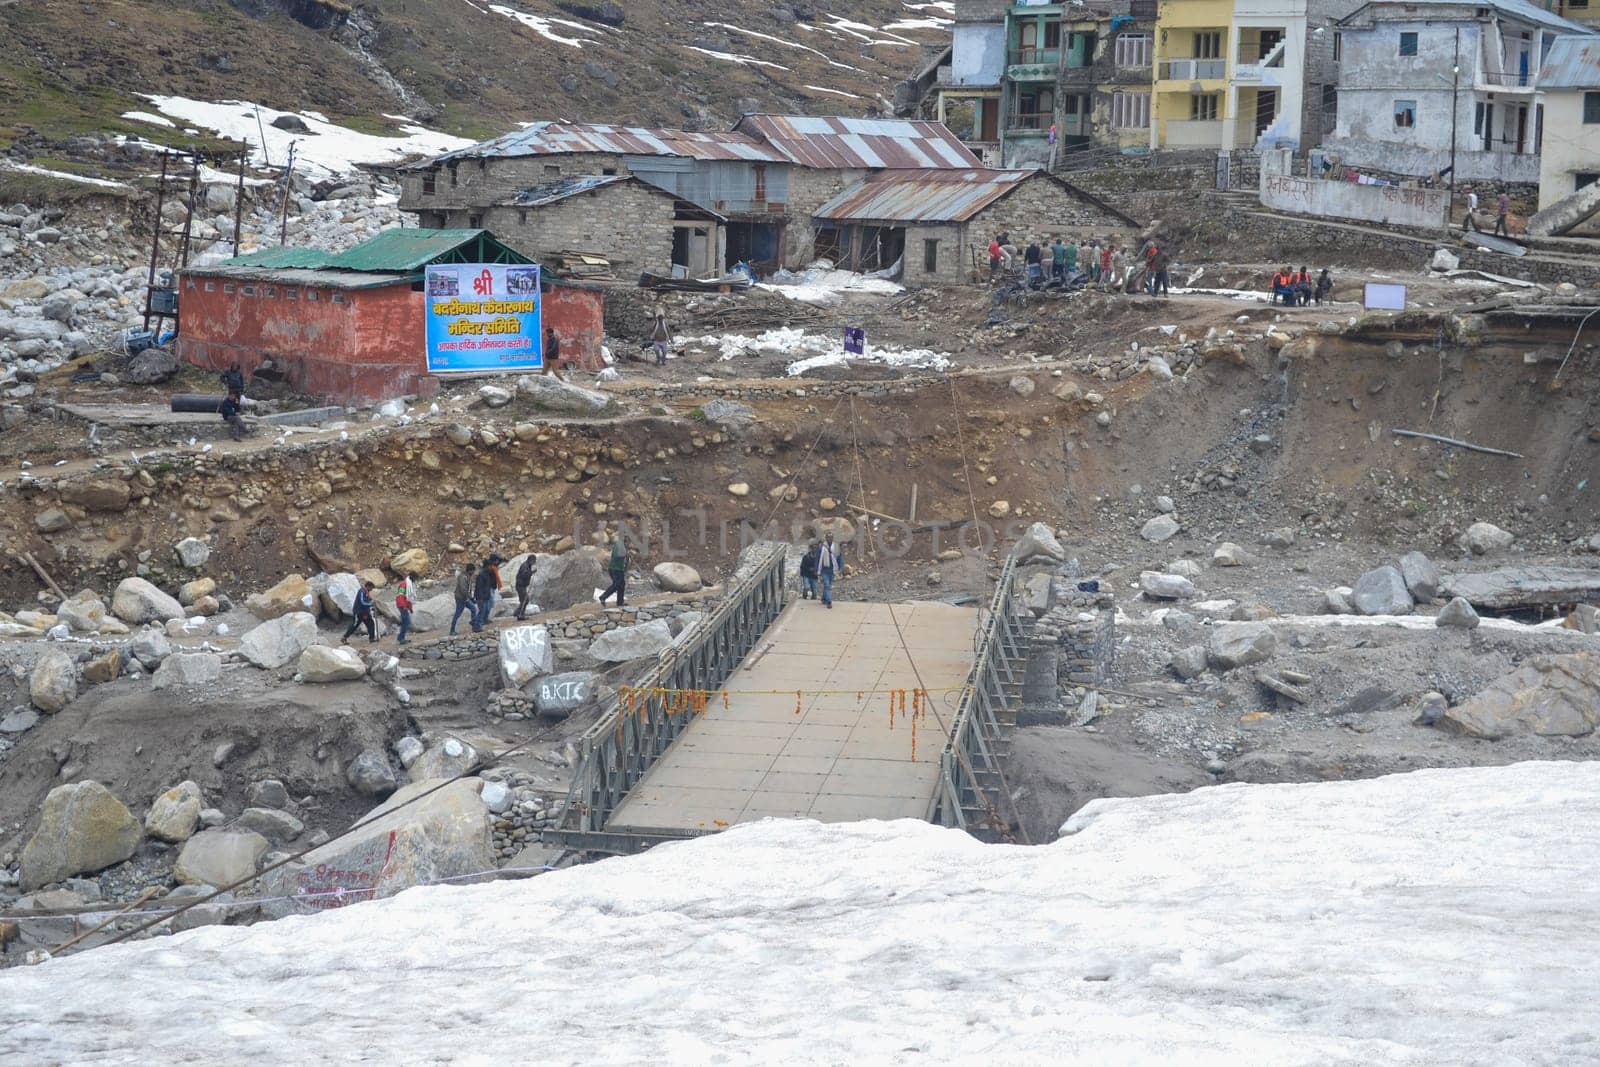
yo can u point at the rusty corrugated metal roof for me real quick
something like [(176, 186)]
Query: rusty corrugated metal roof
[(923, 195), (1572, 63), (831, 141), (565, 138)]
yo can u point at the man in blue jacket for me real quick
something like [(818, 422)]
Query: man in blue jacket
[(361, 615)]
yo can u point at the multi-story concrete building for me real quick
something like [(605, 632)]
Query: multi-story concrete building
[(969, 85), (1427, 85), (1245, 74), (1569, 90)]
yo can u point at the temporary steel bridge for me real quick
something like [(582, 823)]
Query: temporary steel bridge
[(862, 711)]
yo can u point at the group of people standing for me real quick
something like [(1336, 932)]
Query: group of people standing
[(1106, 265)]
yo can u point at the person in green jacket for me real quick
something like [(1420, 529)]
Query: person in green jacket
[(1058, 260), (619, 570), (1072, 257)]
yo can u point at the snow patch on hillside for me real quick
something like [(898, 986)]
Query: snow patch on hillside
[(1441, 917), (545, 26), (328, 151), (733, 57)]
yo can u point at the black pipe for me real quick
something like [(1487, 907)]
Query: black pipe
[(196, 402)]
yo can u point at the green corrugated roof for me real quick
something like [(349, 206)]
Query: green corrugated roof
[(282, 257), (413, 249)]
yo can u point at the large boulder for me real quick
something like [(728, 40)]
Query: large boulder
[(1381, 591), (550, 393), (1550, 696), (448, 758), (445, 835), (270, 823), (85, 613), (677, 577), (220, 857), (1159, 529), (175, 814), (105, 495), (186, 669), (150, 367), (562, 581), (370, 774), (290, 595), (53, 684), (336, 593), (192, 552), (1458, 614), (1421, 575), (433, 613), (136, 601), (324, 663), (150, 647), (1240, 644), (1038, 542), (82, 828), (1160, 586), (275, 643), (559, 695), (525, 654), (632, 642), (1485, 538), (412, 561)]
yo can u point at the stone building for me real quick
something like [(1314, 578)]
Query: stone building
[(938, 223), (699, 202), (1427, 84)]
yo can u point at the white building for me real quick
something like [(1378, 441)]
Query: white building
[(1569, 90), (1423, 82)]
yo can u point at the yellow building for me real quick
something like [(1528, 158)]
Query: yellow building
[(1584, 11), (1190, 98)]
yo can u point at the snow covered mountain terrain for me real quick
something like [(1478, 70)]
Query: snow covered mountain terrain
[(466, 67), (1440, 917)]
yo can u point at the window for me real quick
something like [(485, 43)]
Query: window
[(1338, 47), (552, 170), (608, 171), (1408, 43), (1584, 179), (430, 182), (1591, 108), (247, 290), (271, 292), (760, 172), (1405, 114), (1132, 50), (1130, 111), (227, 287), (211, 287), (1203, 107), (1069, 105), (1052, 34), (1208, 45), (930, 256), (338, 298), (312, 295), (452, 174), (291, 294), (522, 217), (474, 222)]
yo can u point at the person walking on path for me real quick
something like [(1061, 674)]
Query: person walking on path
[(483, 591), (829, 564), (404, 603), (1502, 215), (1468, 222), (552, 352), (463, 592), (361, 615), (808, 571), (618, 567), (660, 336), (524, 579)]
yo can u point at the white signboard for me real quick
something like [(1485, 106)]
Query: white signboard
[(1381, 296)]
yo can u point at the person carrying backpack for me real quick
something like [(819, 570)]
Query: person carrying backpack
[(463, 593), (618, 567), (404, 603), (524, 579)]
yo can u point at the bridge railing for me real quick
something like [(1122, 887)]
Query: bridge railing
[(970, 776), (617, 750)]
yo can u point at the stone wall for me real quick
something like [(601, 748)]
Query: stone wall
[(584, 626), (627, 222), (1073, 647), (808, 190), (476, 183)]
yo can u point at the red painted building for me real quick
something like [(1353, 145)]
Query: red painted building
[(349, 328)]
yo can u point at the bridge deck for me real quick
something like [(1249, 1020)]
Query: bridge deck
[(838, 760)]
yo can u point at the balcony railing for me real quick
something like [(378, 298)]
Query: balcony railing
[(1032, 57), (1261, 52), (1193, 69), (1036, 121), (1511, 80)]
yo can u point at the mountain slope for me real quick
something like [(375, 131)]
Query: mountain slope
[(469, 67)]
